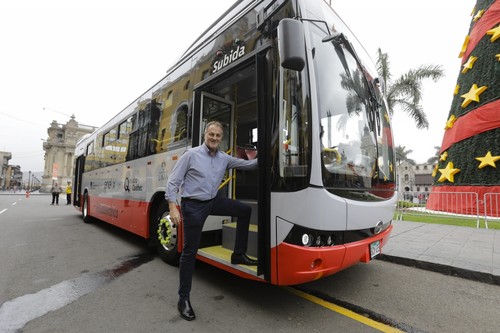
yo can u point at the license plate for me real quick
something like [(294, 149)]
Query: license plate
[(374, 249)]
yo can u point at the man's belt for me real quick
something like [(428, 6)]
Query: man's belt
[(196, 200)]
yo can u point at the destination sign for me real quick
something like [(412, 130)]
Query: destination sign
[(228, 54)]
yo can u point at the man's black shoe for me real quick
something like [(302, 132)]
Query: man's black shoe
[(242, 259), (185, 310)]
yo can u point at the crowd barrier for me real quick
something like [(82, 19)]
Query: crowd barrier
[(491, 208), (463, 205)]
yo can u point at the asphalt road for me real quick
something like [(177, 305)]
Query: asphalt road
[(59, 274)]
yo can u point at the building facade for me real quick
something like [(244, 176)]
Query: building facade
[(4, 159), (60, 152), (11, 176), (14, 178), (415, 180)]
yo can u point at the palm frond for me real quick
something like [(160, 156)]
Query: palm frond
[(415, 111), (407, 90), (383, 66)]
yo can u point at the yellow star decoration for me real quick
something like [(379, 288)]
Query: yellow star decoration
[(443, 156), (478, 15), (497, 56), (457, 88), (487, 160), (434, 172), (468, 65), (448, 173), (473, 95), (495, 32), (464, 46), (450, 122)]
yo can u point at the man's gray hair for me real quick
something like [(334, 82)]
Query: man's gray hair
[(215, 123)]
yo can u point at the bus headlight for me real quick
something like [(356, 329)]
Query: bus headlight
[(302, 236), (318, 241), (306, 240)]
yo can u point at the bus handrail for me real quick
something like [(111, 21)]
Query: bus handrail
[(224, 183)]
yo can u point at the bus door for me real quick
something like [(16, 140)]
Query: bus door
[(231, 99), (77, 181)]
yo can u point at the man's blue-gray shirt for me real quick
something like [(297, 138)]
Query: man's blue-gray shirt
[(199, 173)]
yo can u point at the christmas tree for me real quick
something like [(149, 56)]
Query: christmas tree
[(470, 151)]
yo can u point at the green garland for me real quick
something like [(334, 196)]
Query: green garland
[(485, 72), (463, 155)]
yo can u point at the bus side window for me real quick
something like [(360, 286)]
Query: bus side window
[(132, 140), (90, 148), (142, 140), (180, 124)]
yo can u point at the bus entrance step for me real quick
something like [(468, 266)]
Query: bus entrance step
[(229, 235)]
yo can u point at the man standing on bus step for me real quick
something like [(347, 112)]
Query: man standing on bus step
[(200, 171)]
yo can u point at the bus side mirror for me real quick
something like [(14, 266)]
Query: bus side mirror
[(291, 44)]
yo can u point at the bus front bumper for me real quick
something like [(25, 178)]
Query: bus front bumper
[(299, 264)]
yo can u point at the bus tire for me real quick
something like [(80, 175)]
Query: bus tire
[(85, 209), (165, 235)]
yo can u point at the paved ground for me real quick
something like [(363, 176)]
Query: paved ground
[(462, 251)]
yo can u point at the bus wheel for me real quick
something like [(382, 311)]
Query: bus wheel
[(166, 236), (85, 209)]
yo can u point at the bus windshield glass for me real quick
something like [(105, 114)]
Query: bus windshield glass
[(354, 125)]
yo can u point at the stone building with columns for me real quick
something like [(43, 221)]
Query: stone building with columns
[(414, 180), (60, 152)]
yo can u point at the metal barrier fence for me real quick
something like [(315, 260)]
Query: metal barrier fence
[(491, 208), (463, 205)]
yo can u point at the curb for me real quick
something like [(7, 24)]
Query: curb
[(443, 269)]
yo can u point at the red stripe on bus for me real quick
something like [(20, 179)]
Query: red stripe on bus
[(130, 215)]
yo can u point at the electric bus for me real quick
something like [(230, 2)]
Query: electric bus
[(293, 86)]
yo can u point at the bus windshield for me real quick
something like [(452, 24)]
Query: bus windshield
[(355, 131)]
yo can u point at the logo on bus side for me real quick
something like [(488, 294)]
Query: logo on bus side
[(132, 185), (162, 175), (109, 184), (228, 54)]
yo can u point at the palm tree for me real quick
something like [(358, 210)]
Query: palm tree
[(406, 91), (402, 155)]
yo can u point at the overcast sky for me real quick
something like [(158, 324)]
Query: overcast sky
[(91, 58)]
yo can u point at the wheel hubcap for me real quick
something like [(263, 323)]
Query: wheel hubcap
[(167, 233)]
